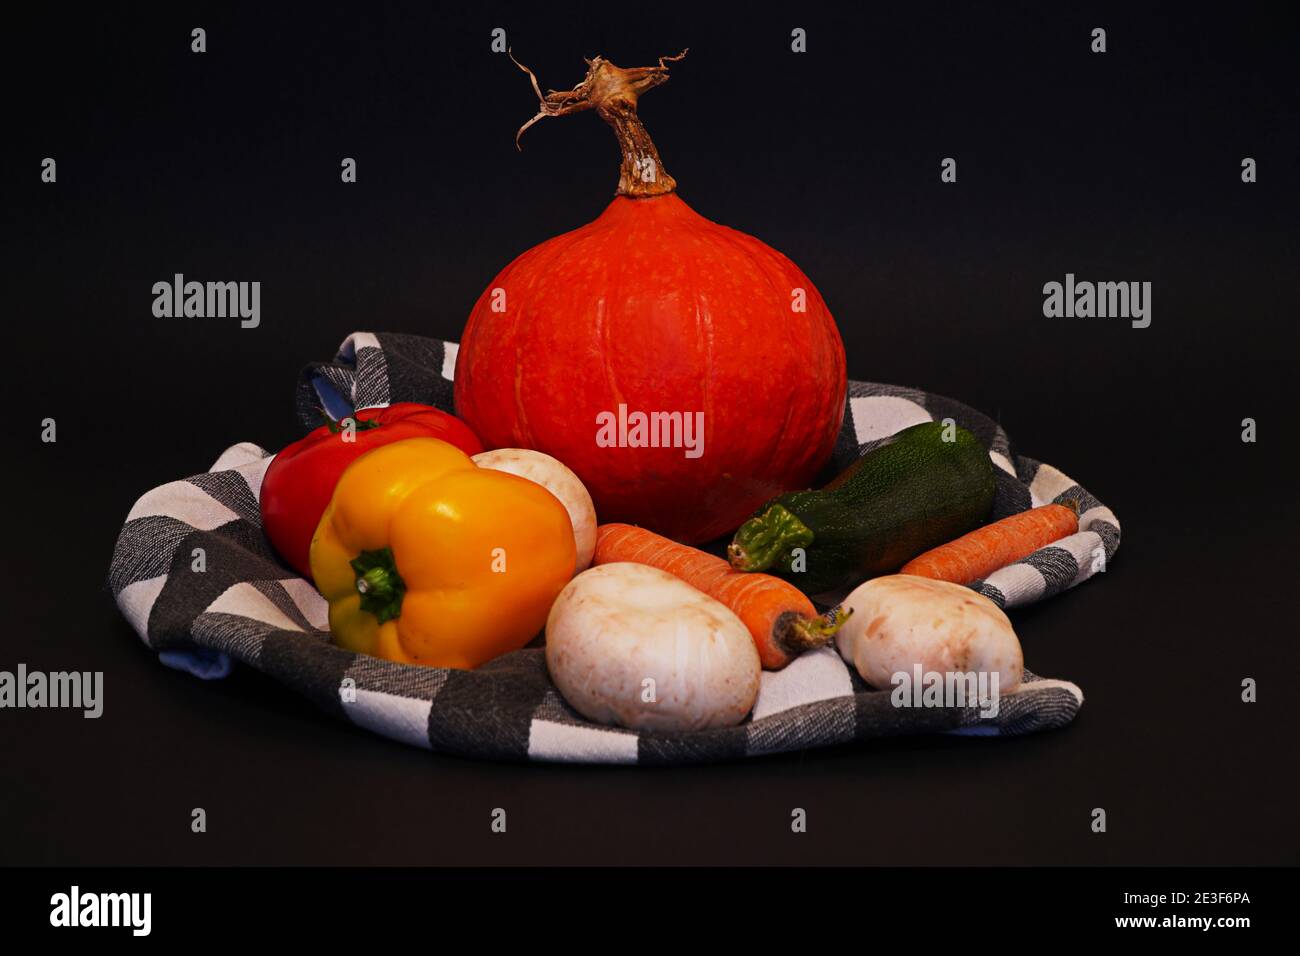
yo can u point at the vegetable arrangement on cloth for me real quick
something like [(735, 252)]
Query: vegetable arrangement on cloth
[(434, 562)]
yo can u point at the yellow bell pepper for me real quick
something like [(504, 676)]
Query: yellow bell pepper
[(425, 558)]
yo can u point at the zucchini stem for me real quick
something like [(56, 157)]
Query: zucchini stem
[(760, 541), (796, 633)]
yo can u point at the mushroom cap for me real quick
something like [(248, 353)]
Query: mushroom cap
[(631, 645)]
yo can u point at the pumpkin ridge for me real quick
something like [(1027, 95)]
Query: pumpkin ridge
[(727, 234), (536, 285), (821, 348), (631, 236), (616, 288), (704, 328)]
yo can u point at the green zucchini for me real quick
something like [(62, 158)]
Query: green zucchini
[(925, 486)]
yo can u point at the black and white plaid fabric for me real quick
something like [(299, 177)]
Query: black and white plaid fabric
[(237, 602)]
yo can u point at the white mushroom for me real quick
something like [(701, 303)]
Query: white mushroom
[(901, 621), (631, 645)]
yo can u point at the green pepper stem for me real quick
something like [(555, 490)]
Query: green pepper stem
[(760, 541), (359, 424), (380, 586)]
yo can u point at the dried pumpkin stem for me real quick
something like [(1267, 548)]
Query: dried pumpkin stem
[(612, 92)]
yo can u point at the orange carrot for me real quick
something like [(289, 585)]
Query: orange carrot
[(981, 552), (782, 621)]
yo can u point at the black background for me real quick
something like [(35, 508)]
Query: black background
[(225, 166)]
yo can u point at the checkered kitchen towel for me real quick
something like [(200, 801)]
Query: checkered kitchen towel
[(246, 606)]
